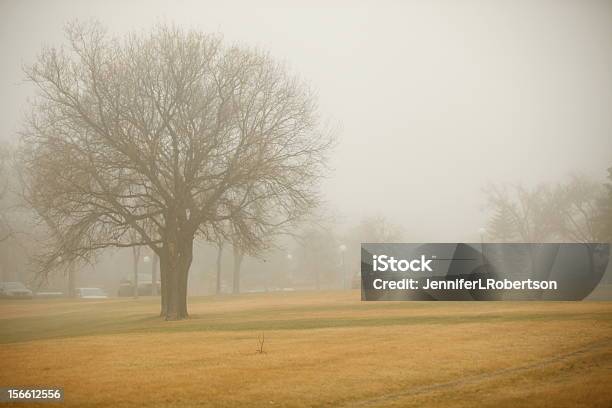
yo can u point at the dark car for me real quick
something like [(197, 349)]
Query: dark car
[(14, 290)]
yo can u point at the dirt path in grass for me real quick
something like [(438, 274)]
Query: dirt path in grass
[(416, 391)]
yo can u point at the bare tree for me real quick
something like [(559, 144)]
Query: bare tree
[(18, 233), (51, 237), (238, 256), (378, 229), (166, 134), (604, 212), (154, 270), (501, 226), (218, 239), (527, 215), (219, 265), (578, 203), (253, 235), (5, 228), (6, 231), (317, 254), (371, 228), (135, 263)]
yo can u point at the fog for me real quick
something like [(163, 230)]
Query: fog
[(433, 99), (316, 193)]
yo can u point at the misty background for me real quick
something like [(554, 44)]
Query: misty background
[(433, 99)]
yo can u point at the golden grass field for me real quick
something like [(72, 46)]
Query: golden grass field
[(321, 349)]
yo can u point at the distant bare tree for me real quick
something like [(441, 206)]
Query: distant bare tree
[(370, 229), (18, 233), (238, 258), (578, 203), (378, 229), (168, 135), (135, 263), (521, 214), (501, 226), (5, 229), (317, 253), (525, 215), (51, 238), (154, 270), (253, 246), (252, 235), (218, 263), (604, 212)]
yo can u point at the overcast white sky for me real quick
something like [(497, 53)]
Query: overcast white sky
[(434, 98)]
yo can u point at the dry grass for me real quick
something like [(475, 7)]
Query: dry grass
[(325, 349)]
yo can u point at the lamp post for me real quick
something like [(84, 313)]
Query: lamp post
[(342, 249), (289, 267), (482, 231), (147, 259), (153, 260)]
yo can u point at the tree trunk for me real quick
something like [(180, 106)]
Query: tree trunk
[(175, 262), (219, 257), (71, 281), (136, 258), (238, 256), (154, 264), (163, 277)]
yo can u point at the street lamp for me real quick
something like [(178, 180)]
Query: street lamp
[(289, 273), (482, 231)]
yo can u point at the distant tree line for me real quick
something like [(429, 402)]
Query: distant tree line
[(578, 210)]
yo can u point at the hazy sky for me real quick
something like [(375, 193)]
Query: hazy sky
[(434, 98)]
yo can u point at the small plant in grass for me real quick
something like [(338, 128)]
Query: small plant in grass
[(261, 339)]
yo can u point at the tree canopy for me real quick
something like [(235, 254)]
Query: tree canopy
[(169, 135)]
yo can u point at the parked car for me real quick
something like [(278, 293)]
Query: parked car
[(91, 293), (49, 295), (146, 288), (126, 288), (14, 290)]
